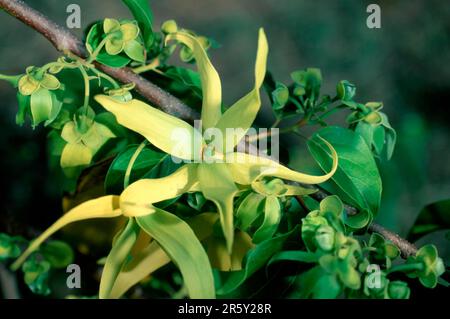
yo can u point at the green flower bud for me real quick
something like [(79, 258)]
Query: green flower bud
[(280, 96), (345, 90), (324, 237), (169, 26), (398, 290)]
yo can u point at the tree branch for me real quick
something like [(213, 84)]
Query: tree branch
[(65, 42)]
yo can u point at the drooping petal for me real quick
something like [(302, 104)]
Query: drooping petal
[(242, 114), (102, 207), (272, 217), (247, 168), (168, 133), (182, 245), (211, 86), (137, 199), (217, 185), (153, 257), (117, 257)]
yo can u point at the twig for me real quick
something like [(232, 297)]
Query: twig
[(65, 42)]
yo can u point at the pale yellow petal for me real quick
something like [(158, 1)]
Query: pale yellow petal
[(137, 199), (242, 114), (211, 86), (102, 207), (166, 132), (247, 168)]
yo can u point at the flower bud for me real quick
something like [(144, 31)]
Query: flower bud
[(169, 26), (398, 290)]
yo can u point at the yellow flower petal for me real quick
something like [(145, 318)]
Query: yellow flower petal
[(247, 168), (211, 86), (137, 199), (166, 132), (218, 186), (242, 114), (102, 207), (153, 257), (28, 85)]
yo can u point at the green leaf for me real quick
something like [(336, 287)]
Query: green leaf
[(272, 217), (58, 253), (144, 16), (391, 135), (431, 218), (146, 159), (345, 90), (117, 257), (254, 260), (36, 275), (180, 243), (295, 255), (357, 180)]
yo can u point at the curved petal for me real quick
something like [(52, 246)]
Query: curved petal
[(242, 114), (166, 132), (117, 257), (247, 168), (217, 185), (75, 154), (182, 245), (102, 207), (153, 257), (211, 86), (137, 199)]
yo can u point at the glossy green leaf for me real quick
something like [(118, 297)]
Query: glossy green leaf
[(36, 273), (144, 16), (180, 243), (294, 255), (254, 260), (431, 218), (391, 135), (117, 257), (146, 159), (357, 180), (58, 253)]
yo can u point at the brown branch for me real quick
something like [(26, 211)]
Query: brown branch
[(65, 41), (406, 248)]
